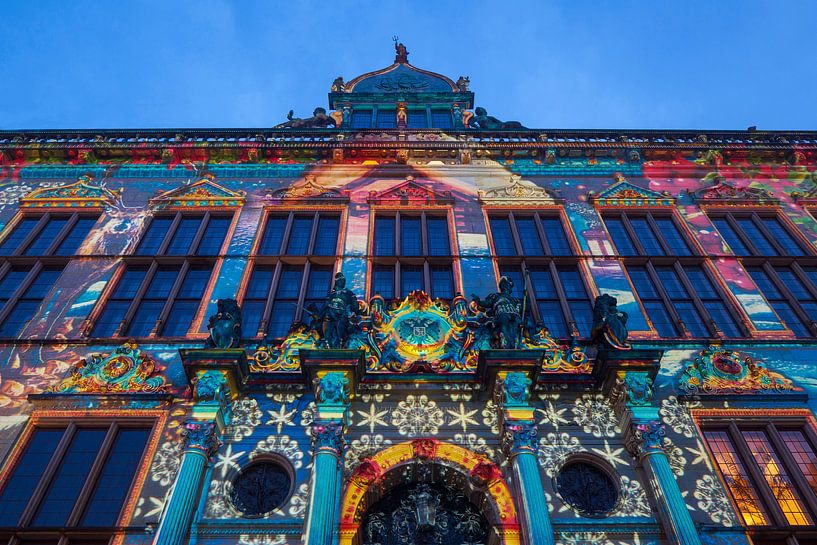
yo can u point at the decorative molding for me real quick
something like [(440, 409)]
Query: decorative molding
[(308, 191), (520, 437), (724, 193), (518, 193), (203, 193), (645, 438), (717, 371), (328, 437), (125, 371), (411, 193), (80, 194), (623, 194), (201, 436)]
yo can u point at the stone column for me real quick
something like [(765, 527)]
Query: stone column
[(520, 440), (201, 443), (332, 403), (646, 442)]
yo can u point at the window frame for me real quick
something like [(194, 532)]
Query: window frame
[(736, 421), (757, 214), (547, 260), (423, 259), (151, 420), (282, 259)]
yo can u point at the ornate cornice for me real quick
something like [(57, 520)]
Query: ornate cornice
[(410, 192), (203, 193), (724, 193), (623, 194)]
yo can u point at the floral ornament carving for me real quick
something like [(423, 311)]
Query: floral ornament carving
[(717, 371), (520, 438), (125, 370), (309, 190), (518, 193), (646, 437), (204, 192), (623, 194), (726, 193), (80, 194), (262, 539), (328, 437), (417, 416), (583, 538)]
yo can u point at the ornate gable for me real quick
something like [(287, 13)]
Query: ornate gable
[(724, 193), (623, 194), (126, 370), (518, 193), (80, 194), (204, 192), (717, 371), (410, 193), (307, 192)]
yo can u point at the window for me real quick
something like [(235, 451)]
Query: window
[(73, 475), (537, 244), (23, 284), (279, 293), (260, 488), (792, 294), (417, 119), (441, 119), (410, 252), (675, 287), (361, 119), (386, 119), (757, 234), (770, 470), (160, 289)]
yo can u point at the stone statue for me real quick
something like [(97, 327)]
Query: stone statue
[(609, 323), (332, 388), (319, 120), (463, 83), (482, 120), (338, 86), (209, 386), (337, 312), (456, 109), (505, 312), (225, 325), (401, 53), (515, 388), (639, 388)]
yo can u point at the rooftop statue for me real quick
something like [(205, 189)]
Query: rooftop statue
[(482, 120), (505, 313), (463, 83), (609, 323), (337, 314), (338, 86), (319, 120), (401, 53)]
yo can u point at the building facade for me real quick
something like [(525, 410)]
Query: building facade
[(407, 321)]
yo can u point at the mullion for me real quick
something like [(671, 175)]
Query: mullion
[(630, 231), (194, 243), (659, 234), (793, 470), (137, 299), (692, 293), (187, 300), (21, 289), (171, 298), (58, 239), (88, 487), (273, 288), (32, 235), (787, 297), (738, 230), (517, 242), (310, 246), (118, 297), (669, 304), (538, 296), (169, 234), (566, 311), (761, 225), (543, 239)]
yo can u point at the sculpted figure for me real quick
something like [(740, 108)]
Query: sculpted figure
[(482, 120), (332, 388), (463, 83), (319, 120), (338, 86), (337, 312), (225, 325), (609, 324), (401, 53), (505, 312), (515, 388)]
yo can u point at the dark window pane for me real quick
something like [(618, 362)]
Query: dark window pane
[(792, 320), (542, 284), (811, 274), (671, 283), (43, 283), (195, 281), (730, 236), (327, 238), (417, 119), (20, 232), (438, 243), (251, 313), (782, 236), (283, 312), (644, 234), (213, 238), (273, 235), (129, 283), (764, 283), (22, 312), (556, 236), (114, 483), (642, 283), (179, 319), (320, 282), (76, 236), (384, 236), (411, 242), (112, 315), (46, 236), (503, 238), (411, 278), (299, 235), (386, 119), (621, 239), (583, 316), (441, 119), (572, 283), (162, 282), (70, 476), (383, 282), (660, 318), (289, 285), (361, 119), (260, 282), (793, 283), (145, 317), (529, 236), (691, 318), (700, 280), (673, 237), (11, 281), (442, 282), (152, 240), (27, 473), (551, 314), (184, 235), (515, 276), (723, 319), (756, 236)]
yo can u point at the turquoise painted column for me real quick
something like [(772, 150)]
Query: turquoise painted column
[(646, 442), (520, 437), (200, 443), (332, 403)]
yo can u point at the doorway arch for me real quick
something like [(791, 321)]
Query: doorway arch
[(473, 474)]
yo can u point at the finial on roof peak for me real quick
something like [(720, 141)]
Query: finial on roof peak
[(401, 53)]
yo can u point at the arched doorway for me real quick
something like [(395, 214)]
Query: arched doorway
[(428, 491)]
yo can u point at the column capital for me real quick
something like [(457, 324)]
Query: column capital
[(645, 438), (519, 437), (201, 436), (328, 437)]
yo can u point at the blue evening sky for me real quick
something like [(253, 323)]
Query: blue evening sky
[(570, 64)]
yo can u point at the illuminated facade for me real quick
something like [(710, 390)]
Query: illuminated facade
[(173, 370)]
